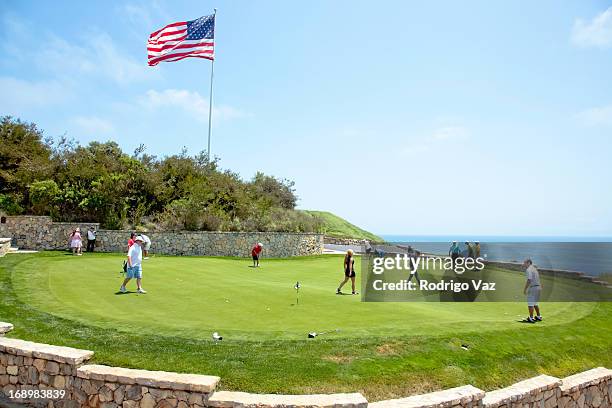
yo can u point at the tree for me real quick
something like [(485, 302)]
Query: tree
[(101, 183), (280, 192), (24, 158), (44, 196)]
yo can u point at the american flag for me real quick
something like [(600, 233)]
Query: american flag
[(182, 40)]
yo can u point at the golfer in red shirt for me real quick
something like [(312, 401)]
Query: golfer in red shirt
[(255, 252), (131, 240)]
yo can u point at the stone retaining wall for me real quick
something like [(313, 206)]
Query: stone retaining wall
[(40, 233), (343, 241), (103, 386), (515, 266), (591, 388), (466, 396), (541, 391), (5, 246), (26, 365), (228, 399)]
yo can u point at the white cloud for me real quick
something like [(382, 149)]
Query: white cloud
[(597, 116), (136, 15), (93, 125), (594, 33), (189, 102), (18, 95), (17, 39), (142, 14), (96, 56), (450, 133)]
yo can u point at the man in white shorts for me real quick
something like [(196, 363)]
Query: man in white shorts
[(134, 265), (532, 289), (147, 245)]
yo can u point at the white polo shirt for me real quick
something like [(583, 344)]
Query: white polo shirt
[(533, 275), (135, 254)]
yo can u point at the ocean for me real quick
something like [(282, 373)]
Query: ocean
[(591, 255)]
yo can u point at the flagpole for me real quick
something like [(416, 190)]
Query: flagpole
[(212, 74)]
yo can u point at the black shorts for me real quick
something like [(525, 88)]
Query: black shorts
[(349, 274), (256, 257)]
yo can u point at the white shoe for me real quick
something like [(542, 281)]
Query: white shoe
[(141, 290), (146, 257), (122, 289)]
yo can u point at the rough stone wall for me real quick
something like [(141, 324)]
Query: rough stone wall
[(41, 368), (5, 246), (112, 387), (343, 241), (467, 396), (276, 244), (32, 366), (589, 389), (541, 391), (38, 232), (32, 232), (577, 275)]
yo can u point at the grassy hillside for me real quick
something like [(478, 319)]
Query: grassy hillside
[(339, 227)]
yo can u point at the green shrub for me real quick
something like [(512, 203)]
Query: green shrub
[(101, 183)]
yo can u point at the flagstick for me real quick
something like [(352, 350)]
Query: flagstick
[(212, 74)]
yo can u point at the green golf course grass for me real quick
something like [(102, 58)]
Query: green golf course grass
[(381, 349)]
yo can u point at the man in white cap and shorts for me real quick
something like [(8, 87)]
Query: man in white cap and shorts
[(134, 265)]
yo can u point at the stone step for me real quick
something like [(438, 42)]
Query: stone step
[(157, 379), (542, 388), (5, 328), (59, 354), (231, 399), (465, 396)]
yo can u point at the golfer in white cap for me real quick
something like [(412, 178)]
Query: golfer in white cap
[(134, 265)]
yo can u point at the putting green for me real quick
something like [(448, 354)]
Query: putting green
[(191, 297), (385, 350)]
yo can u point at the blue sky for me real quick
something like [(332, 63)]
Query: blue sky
[(449, 117)]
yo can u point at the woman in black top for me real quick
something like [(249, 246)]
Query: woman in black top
[(349, 272)]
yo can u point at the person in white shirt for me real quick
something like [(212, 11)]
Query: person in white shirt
[(134, 265), (146, 246), (532, 289), (91, 239)]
